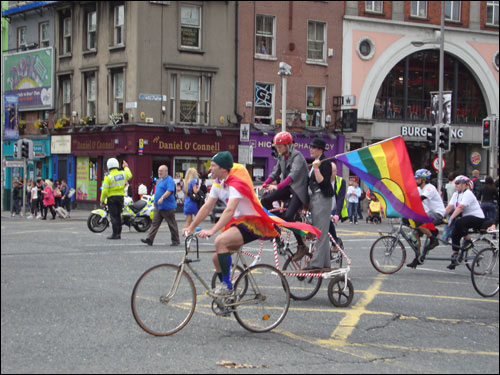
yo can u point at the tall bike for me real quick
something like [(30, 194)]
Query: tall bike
[(388, 254), (164, 297), (484, 272)]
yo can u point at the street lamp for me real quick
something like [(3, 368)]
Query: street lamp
[(285, 70), (441, 78)]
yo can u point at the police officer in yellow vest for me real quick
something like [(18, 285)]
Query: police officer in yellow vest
[(339, 206), (113, 188)]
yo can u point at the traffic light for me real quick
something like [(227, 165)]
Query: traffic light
[(432, 138), (25, 149), (17, 148), (486, 133), (444, 138)]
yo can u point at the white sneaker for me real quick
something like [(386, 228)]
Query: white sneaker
[(39, 217), (21, 213), (222, 290), (13, 214), (30, 217)]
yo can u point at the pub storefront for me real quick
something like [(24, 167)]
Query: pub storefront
[(145, 148)]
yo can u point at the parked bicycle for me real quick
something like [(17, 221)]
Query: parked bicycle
[(485, 269), (164, 297), (388, 254)]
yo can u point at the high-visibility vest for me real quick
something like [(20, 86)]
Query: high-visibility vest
[(114, 183), (338, 184)]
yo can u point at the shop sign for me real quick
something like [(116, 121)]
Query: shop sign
[(475, 158), (60, 144), (209, 146), (93, 145), (417, 131)]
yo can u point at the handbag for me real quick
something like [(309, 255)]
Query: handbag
[(71, 192)]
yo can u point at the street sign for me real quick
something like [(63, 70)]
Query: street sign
[(14, 164), (435, 164)]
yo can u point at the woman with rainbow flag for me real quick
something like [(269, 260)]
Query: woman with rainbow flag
[(242, 221)]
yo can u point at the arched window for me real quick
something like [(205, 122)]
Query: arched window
[(405, 92)]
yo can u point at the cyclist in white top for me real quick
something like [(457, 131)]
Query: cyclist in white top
[(467, 214)]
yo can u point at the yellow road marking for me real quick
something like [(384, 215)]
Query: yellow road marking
[(349, 322)]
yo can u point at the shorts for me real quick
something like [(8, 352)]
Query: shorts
[(247, 236)]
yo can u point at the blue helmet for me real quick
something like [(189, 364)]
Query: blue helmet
[(423, 173)]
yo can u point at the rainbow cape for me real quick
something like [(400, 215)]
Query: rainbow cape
[(385, 167), (262, 225)]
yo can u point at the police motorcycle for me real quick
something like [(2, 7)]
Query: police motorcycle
[(138, 214)]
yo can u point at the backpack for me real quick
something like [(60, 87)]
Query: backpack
[(363, 195)]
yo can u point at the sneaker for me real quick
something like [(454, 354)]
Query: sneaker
[(39, 217), (222, 290), (302, 250), (30, 217), (13, 214), (21, 214)]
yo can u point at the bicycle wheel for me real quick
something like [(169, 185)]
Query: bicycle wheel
[(338, 294), (387, 254), (301, 287), (484, 272), (266, 301), (478, 244), (153, 310)]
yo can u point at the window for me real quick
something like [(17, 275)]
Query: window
[(208, 84), (419, 9), (119, 25), (21, 36), (189, 99), (315, 106), (66, 35), (65, 90), (264, 100), (90, 94), (173, 93), (492, 13), (43, 34), (191, 27), (452, 10), (91, 30), (264, 35), (118, 87), (316, 41), (374, 6)]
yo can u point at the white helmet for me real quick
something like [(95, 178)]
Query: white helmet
[(143, 190), (112, 163)]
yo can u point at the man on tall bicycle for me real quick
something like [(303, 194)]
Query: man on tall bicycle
[(291, 169), (434, 208)]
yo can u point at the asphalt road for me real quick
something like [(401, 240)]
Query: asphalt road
[(65, 308)]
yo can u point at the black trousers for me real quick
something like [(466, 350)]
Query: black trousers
[(462, 226), (115, 206), (294, 205)]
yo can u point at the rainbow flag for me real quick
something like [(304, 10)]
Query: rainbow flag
[(385, 167), (262, 225)]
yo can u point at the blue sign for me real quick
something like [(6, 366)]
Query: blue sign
[(11, 117)]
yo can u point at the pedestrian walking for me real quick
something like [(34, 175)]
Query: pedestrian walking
[(48, 200), (165, 207)]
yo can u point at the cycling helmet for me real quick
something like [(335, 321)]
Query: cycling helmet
[(283, 138), (463, 180), (112, 163), (423, 173)]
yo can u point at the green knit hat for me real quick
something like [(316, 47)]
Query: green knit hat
[(224, 160)]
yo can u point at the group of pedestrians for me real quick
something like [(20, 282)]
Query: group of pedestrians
[(41, 196)]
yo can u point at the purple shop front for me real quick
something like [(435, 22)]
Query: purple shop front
[(263, 161)]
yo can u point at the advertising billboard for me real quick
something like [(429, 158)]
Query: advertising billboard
[(30, 76)]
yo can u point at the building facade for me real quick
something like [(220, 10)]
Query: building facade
[(393, 77)]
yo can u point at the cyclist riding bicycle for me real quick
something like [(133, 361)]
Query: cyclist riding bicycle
[(467, 214), (291, 169), (434, 208)]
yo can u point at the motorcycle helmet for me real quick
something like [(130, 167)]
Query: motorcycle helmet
[(283, 138), (423, 173), (112, 163), (143, 190)]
